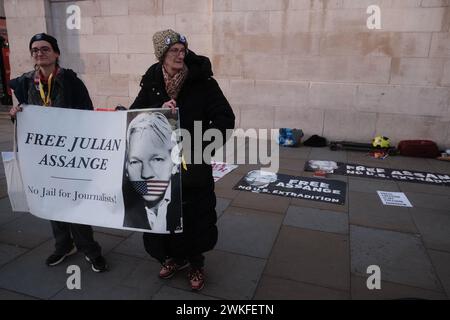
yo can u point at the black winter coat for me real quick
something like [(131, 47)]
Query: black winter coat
[(136, 215), (200, 99), (74, 94)]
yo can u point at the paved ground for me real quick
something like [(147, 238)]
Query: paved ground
[(269, 247)]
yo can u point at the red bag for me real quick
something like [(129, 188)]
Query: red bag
[(418, 148)]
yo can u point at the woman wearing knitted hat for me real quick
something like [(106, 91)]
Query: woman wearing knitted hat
[(181, 79)]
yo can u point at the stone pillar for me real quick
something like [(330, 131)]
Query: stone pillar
[(24, 18), (2, 9)]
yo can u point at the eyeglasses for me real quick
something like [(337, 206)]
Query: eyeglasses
[(43, 50), (176, 52)]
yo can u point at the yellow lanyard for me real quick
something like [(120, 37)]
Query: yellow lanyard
[(183, 162), (46, 99)]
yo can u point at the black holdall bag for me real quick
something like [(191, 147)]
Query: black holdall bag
[(315, 141)]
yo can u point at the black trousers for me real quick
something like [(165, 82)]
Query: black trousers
[(199, 231), (68, 234)]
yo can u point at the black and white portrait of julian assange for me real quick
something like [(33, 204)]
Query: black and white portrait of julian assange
[(260, 178), (151, 188), (325, 165)]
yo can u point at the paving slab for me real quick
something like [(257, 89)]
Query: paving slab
[(6, 131), (221, 205), (222, 279), (272, 288), (9, 295), (114, 232), (429, 201), (401, 257), (230, 180), (409, 163), (441, 263), (316, 219), (133, 246), (326, 154), (434, 226), (169, 293), (262, 202), (368, 162), (6, 213), (366, 209), (107, 242), (110, 285), (251, 234), (6, 146), (320, 205), (29, 275), (301, 152), (3, 188), (291, 172), (227, 193), (27, 231), (243, 169), (439, 166), (105, 292), (423, 188), (9, 253), (296, 165), (364, 158), (371, 185), (330, 176), (313, 257), (224, 187), (6, 126), (391, 291), (309, 261), (145, 277), (2, 169), (5, 138)]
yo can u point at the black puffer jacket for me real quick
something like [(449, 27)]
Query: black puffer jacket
[(200, 99), (68, 91)]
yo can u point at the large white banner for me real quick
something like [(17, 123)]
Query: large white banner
[(110, 169)]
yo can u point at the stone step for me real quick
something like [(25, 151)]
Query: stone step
[(4, 115), (4, 111)]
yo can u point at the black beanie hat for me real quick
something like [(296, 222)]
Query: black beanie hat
[(45, 37)]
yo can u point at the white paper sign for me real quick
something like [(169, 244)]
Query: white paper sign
[(220, 169), (397, 199)]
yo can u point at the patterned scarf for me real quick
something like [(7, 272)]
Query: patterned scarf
[(174, 84)]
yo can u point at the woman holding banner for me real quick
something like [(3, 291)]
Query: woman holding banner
[(181, 79), (50, 85)]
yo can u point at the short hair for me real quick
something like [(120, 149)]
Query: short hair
[(48, 38), (154, 121)]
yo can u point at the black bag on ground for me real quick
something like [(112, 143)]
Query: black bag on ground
[(315, 141)]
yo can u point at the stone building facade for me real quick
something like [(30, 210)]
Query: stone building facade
[(309, 64)]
